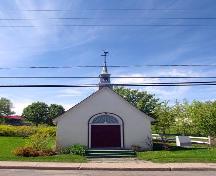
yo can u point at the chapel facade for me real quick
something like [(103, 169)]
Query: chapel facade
[(104, 120)]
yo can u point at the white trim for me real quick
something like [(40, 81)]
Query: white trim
[(109, 114)]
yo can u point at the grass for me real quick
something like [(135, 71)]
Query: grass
[(8, 144), (197, 153), (176, 154)]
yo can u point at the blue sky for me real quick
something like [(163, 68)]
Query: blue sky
[(52, 45)]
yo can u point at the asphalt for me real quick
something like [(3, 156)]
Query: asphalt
[(127, 166)]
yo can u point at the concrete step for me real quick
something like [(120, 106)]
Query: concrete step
[(110, 156), (95, 153), (108, 151)]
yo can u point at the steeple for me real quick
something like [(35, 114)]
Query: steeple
[(104, 76)]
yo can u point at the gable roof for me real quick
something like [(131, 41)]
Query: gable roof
[(96, 93)]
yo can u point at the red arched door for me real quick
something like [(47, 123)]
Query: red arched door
[(103, 136), (105, 131)]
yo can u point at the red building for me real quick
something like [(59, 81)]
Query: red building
[(12, 119)]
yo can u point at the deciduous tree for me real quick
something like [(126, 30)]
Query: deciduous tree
[(165, 118), (54, 111), (5, 107), (141, 99), (36, 113)]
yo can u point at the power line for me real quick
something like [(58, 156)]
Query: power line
[(96, 85), (15, 19), (17, 26), (134, 25), (107, 9), (111, 66), (179, 83), (119, 77), (73, 18), (138, 84), (138, 9), (45, 10), (108, 25), (90, 18)]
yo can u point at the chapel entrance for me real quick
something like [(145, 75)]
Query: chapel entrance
[(105, 131), (105, 136)]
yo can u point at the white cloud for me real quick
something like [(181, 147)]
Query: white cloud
[(165, 93), (133, 80), (19, 105), (70, 93), (19, 44), (68, 106)]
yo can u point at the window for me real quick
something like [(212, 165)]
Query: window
[(105, 119)]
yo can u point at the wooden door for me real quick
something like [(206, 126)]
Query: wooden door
[(105, 136)]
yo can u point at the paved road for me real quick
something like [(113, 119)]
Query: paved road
[(14, 172)]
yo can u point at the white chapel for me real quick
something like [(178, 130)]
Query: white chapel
[(104, 120)]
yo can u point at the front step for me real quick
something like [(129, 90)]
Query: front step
[(94, 153)]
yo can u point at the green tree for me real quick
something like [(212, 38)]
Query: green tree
[(5, 109), (36, 113), (165, 118), (204, 117), (54, 111), (141, 99), (183, 120)]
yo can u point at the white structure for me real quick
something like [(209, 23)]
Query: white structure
[(104, 120), (183, 141)]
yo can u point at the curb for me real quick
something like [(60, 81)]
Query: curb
[(39, 168), (109, 167), (84, 168), (127, 169), (193, 169)]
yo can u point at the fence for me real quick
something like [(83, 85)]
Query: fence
[(172, 138)]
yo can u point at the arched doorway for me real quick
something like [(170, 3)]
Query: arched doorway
[(105, 131)]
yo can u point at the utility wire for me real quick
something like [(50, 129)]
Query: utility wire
[(95, 77), (179, 83), (109, 25), (111, 9), (15, 19), (140, 84), (96, 85), (134, 25), (139, 9), (17, 26), (111, 66), (94, 18), (116, 9)]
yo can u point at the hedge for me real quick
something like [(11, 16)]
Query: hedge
[(24, 131)]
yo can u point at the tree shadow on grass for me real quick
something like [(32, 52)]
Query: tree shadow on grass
[(159, 146)]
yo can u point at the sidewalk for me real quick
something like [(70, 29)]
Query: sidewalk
[(109, 166)]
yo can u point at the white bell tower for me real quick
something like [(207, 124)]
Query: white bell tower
[(104, 76)]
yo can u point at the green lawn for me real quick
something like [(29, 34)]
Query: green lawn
[(8, 144), (195, 154)]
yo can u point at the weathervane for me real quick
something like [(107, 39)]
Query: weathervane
[(105, 56)]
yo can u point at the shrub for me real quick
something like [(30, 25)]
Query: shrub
[(76, 149), (25, 131), (38, 144), (40, 141), (31, 152)]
